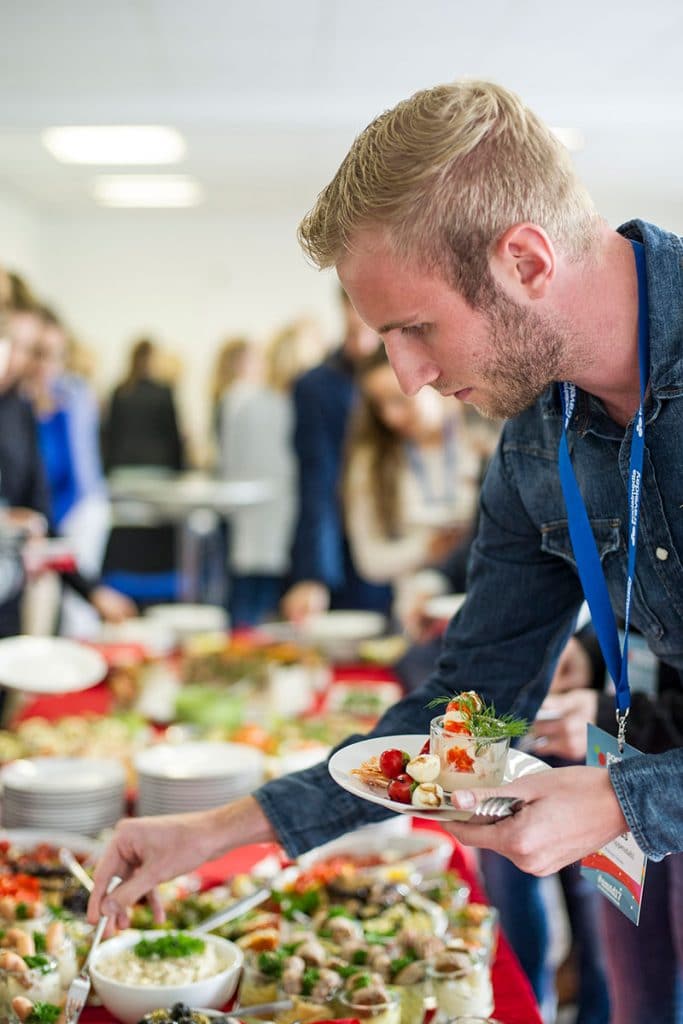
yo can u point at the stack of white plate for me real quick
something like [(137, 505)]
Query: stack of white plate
[(72, 794), (193, 776)]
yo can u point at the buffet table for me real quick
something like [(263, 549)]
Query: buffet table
[(514, 1000)]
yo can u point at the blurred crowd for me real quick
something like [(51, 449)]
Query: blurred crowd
[(371, 491)]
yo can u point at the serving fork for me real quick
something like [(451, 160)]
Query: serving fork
[(79, 989)]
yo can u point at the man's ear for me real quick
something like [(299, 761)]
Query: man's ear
[(523, 262)]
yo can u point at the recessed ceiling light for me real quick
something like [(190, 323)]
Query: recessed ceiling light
[(147, 190), (115, 144), (572, 138)]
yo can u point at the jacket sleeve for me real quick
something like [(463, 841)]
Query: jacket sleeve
[(504, 642), (649, 787)]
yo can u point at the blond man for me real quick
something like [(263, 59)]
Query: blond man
[(463, 237)]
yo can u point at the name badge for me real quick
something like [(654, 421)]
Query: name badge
[(618, 869)]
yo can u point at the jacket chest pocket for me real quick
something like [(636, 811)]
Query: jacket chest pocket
[(555, 540)]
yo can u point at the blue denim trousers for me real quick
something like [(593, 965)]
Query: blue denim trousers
[(645, 964)]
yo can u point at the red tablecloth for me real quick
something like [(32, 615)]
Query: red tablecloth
[(514, 998)]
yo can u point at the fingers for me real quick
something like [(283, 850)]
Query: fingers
[(156, 905), (111, 863), (117, 903)]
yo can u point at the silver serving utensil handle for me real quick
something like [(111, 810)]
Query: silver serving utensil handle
[(68, 860), (262, 1009), (495, 808), (242, 906)]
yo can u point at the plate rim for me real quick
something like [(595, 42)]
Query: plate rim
[(95, 674), (405, 741)]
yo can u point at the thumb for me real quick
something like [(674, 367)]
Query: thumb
[(126, 895), (468, 799)]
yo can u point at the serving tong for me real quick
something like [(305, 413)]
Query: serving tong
[(494, 809)]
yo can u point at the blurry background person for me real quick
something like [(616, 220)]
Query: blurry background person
[(238, 359), (257, 422), (67, 414), (23, 491), (140, 430), (323, 574), (409, 464), (140, 427), (23, 484)]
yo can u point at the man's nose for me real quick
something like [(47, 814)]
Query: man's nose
[(412, 368)]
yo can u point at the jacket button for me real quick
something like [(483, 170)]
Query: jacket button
[(662, 554)]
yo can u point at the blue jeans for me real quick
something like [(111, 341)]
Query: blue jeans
[(523, 919), (645, 964)]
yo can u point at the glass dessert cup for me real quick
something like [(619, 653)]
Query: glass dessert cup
[(467, 990), (374, 1013), (256, 987), (467, 762)]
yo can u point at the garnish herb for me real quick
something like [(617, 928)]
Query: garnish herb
[(361, 981), (169, 946), (21, 912), (272, 964), (40, 942), (400, 962), (485, 723), (43, 1013), (39, 962), (309, 980)]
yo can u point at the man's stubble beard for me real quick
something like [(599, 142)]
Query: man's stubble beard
[(530, 352)]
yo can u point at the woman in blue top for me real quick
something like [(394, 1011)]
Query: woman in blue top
[(68, 430)]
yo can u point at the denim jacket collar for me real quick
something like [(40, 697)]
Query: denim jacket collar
[(664, 262)]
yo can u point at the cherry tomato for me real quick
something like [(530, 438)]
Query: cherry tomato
[(425, 748), (392, 762), (401, 789)]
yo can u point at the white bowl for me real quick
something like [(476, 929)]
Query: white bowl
[(339, 633), (128, 1003), (426, 851), (187, 620)]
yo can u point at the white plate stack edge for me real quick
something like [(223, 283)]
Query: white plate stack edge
[(71, 794), (195, 776)]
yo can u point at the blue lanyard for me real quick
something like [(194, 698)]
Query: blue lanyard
[(583, 542)]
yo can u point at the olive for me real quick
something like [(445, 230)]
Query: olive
[(180, 1011)]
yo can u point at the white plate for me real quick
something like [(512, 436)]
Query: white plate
[(183, 762), (341, 764), (444, 606), (49, 664), (343, 626), (156, 637), (187, 619), (27, 838), (77, 775)]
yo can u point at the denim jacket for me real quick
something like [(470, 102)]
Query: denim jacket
[(523, 590)]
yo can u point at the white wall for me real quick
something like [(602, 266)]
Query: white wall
[(187, 279), (19, 230), (190, 279)]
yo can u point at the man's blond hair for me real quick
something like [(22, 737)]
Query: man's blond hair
[(445, 173)]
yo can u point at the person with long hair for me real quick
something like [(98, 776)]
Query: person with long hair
[(411, 479)]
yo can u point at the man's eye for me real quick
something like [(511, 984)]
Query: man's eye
[(415, 330)]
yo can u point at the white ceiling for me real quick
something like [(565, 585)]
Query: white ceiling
[(269, 93)]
